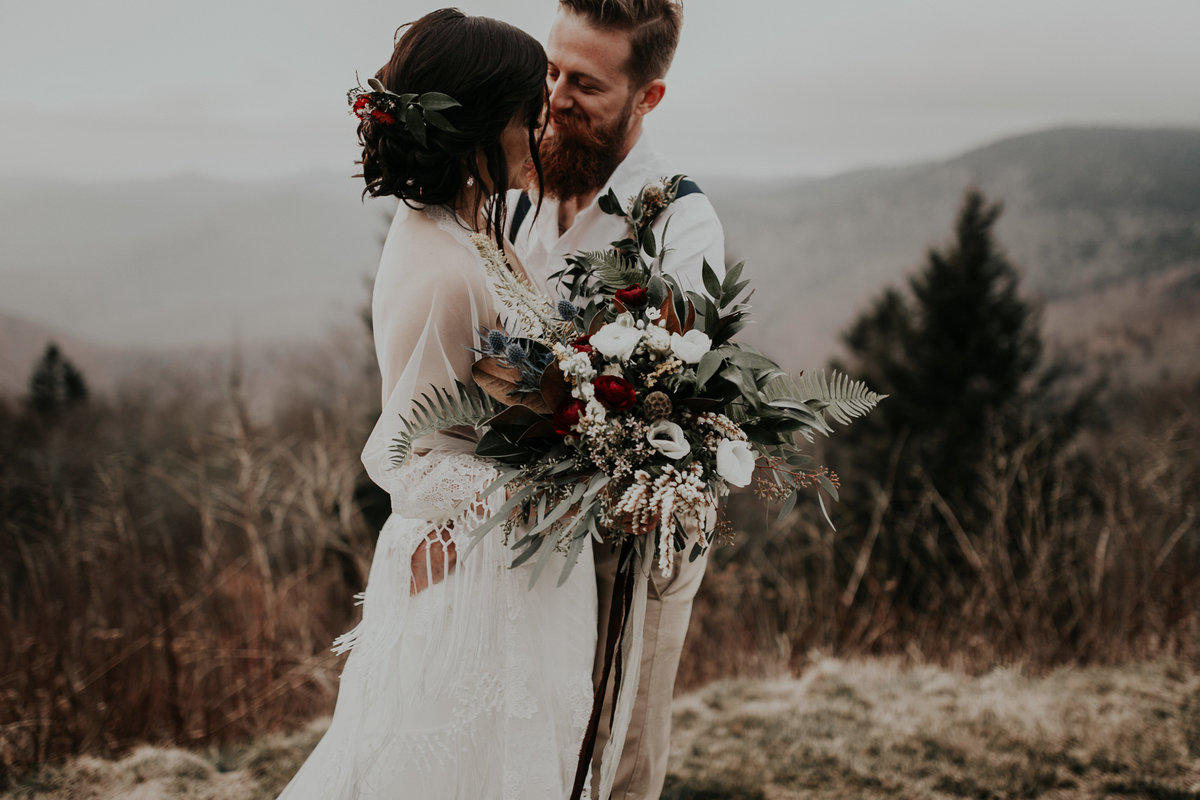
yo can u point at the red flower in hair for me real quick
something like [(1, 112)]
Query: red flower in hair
[(383, 117), (615, 393), (584, 345), (360, 102)]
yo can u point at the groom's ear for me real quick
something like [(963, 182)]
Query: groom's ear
[(649, 96)]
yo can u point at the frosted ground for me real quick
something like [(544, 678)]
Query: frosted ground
[(871, 729)]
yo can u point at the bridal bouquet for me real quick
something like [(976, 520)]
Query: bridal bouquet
[(628, 409)]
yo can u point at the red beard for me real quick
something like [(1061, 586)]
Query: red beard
[(579, 157)]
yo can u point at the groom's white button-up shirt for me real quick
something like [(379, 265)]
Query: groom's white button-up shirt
[(694, 233)]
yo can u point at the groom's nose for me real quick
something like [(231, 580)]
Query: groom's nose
[(560, 95)]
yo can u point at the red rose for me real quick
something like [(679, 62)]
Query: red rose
[(632, 296), (360, 102), (615, 394), (567, 417), (383, 117), (584, 345)]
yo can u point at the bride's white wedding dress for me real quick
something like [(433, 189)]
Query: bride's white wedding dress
[(476, 687)]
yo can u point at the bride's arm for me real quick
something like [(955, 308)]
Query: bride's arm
[(425, 318)]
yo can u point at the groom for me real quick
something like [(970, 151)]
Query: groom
[(608, 59)]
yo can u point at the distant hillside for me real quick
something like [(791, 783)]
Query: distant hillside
[(1090, 214), (23, 342), (1086, 210), (189, 261)]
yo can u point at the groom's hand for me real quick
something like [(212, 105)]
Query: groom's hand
[(431, 563)]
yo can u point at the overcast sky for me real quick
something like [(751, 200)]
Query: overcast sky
[(147, 88)]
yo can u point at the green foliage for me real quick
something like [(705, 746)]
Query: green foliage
[(842, 399), (960, 354), (466, 405)]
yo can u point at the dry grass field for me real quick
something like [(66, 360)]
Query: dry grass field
[(843, 730)]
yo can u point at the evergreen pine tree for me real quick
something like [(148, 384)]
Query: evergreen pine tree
[(55, 384), (959, 356)]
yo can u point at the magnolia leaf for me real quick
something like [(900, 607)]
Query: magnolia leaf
[(493, 445), (519, 416), (497, 380), (555, 390), (667, 311), (596, 325), (543, 429), (690, 322)]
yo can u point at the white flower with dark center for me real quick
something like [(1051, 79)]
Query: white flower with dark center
[(690, 347), (735, 461), (667, 438), (617, 339)]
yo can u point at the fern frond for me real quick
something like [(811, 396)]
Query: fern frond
[(611, 269), (465, 405), (842, 398)]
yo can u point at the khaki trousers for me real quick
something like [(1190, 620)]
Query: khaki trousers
[(642, 769)]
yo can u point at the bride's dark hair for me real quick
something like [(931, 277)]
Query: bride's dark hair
[(494, 70)]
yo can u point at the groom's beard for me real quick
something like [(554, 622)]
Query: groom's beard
[(579, 157)]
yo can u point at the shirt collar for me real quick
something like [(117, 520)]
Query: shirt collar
[(630, 175)]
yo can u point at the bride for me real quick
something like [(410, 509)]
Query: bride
[(461, 681)]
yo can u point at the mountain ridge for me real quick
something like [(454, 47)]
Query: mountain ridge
[(207, 261)]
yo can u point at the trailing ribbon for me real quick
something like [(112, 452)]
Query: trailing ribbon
[(622, 602)]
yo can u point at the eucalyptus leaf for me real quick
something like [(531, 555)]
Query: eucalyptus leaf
[(789, 504)]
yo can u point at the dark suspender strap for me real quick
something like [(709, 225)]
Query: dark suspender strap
[(519, 214), (687, 186)]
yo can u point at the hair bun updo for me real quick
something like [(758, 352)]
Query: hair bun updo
[(492, 70)]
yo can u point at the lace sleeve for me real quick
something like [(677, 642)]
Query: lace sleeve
[(440, 485), (429, 299)]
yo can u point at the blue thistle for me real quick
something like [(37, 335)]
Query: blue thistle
[(515, 354), (497, 342), (567, 310)]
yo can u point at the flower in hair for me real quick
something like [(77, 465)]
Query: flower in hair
[(381, 105)]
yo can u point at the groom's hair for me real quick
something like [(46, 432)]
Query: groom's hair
[(653, 27)]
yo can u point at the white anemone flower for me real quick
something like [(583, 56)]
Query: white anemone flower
[(667, 438), (690, 347), (735, 461), (617, 339)]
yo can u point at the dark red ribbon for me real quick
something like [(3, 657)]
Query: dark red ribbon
[(622, 598)]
